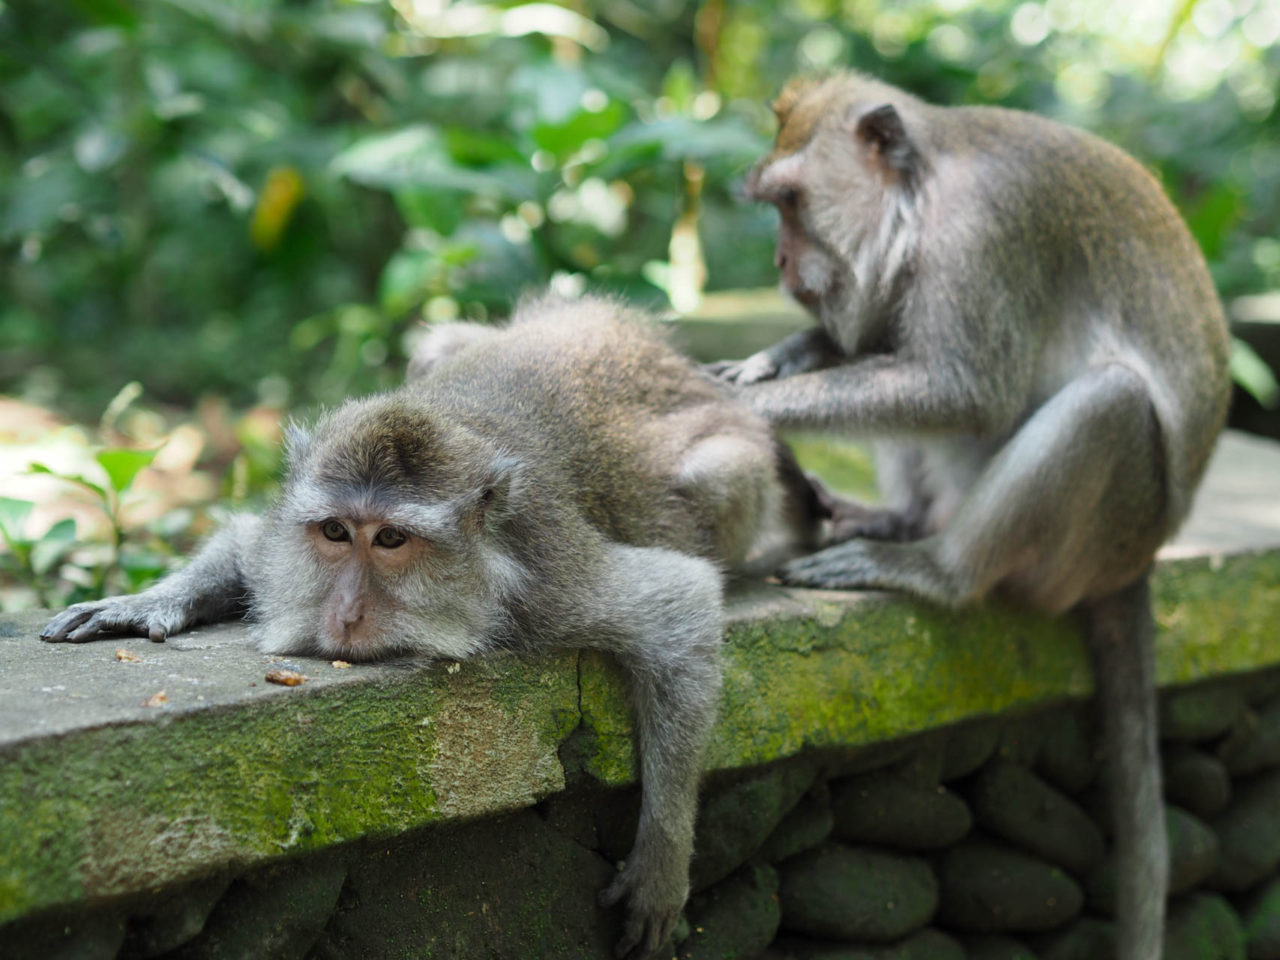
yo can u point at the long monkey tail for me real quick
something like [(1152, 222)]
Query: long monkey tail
[(1121, 634)]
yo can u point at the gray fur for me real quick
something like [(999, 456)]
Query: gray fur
[(569, 480), (1016, 314)]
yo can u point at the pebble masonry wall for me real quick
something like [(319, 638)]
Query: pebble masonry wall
[(987, 841)]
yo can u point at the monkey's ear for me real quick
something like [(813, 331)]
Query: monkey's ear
[(882, 130), (297, 441), (498, 496)]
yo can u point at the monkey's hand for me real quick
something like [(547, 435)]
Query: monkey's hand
[(754, 369), (654, 901), (802, 352), (154, 613)]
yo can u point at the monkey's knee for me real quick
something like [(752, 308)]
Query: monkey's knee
[(731, 481)]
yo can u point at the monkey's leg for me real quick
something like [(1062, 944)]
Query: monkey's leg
[(211, 587), (1070, 506), (661, 613), (1121, 635)]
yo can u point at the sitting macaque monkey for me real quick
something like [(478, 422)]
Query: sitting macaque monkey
[(567, 481), (1017, 316)]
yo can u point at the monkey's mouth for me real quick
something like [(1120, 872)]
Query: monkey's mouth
[(802, 295)]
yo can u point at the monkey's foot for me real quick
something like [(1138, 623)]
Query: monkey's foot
[(653, 908), (851, 519), (848, 566), (139, 615), (873, 565)]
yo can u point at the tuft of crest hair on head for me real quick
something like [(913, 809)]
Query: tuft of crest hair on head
[(790, 95)]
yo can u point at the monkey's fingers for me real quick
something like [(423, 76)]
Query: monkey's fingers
[(614, 892), (716, 368), (57, 629), (111, 619), (836, 568), (644, 935)]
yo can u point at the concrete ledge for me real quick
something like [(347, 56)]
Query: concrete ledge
[(101, 796)]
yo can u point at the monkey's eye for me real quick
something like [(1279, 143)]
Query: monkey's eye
[(335, 531), (390, 538), (788, 198)]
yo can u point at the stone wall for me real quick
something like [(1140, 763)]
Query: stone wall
[(987, 840)]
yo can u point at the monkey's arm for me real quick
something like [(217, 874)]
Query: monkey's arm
[(889, 392), (211, 587), (810, 349), (661, 613)]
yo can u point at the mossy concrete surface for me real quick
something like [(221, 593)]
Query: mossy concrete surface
[(107, 789)]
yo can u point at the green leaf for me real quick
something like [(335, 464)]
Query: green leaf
[(725, 140), (416, 157), (13, 517), (140, 567), (53, 546), (72, 478), (438, 210), (116, 13), (475, 148), (1214, 217), (122, 465), (1254, 376), (406, 280), (563, 139)]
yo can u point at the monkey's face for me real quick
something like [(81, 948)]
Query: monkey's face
[(837, 182), (354, 581), (809, 271)]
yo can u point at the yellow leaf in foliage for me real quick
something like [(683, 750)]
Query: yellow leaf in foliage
[(277, 200)]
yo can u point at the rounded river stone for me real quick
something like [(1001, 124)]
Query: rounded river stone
[(991, 946), (1261, 917), (850, 893), (737, 917), (988, 887), (884, 809), (1202, 926), (1197, 780), (968, 747), (1013, 803), (1067, 756), (1249, 833), (1253, 746), (1200, 713), (1086, 939), (927, 944), (806, 826)]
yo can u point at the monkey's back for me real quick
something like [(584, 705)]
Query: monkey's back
[(604, 408), (1088, 240)]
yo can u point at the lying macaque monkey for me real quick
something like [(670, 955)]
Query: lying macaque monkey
[(567, 481)]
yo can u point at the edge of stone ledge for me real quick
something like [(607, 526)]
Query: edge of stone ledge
[(157, 797)]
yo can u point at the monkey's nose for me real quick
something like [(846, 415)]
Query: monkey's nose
[(350, 618), (780, 258)]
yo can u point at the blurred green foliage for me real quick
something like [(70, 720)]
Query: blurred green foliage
[(256, 198)]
